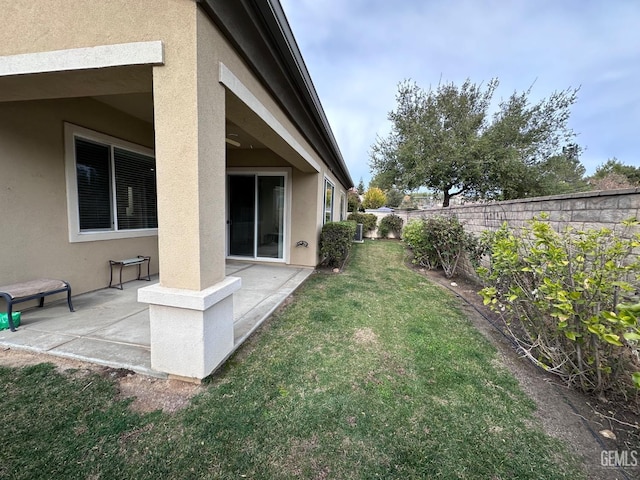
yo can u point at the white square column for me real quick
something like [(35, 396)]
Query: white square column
[(191, 331), (191, 309)]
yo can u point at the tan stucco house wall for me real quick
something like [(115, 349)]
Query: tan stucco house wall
[(198, 88)]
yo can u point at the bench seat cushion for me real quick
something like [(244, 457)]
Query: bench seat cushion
[(131, 261), (33, 287)]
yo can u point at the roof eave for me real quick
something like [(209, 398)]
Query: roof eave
[(260, 32)]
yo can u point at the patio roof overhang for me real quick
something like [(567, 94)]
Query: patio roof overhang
[(121, 76), (262, 36), (80, 72)]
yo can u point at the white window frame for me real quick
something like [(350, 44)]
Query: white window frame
[(72, 131), (328, 183)]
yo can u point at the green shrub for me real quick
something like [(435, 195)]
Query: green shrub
[(368, 220), (336, 240), (439, 241), (390, 223), (559, 293), (416, 237), (450, 241), (353, 201)]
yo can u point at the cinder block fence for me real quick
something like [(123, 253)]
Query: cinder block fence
[(598, 209)]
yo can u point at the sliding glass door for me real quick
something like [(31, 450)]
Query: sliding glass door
[(256, 215)]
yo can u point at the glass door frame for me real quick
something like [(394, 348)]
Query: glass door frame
[(262, 172)]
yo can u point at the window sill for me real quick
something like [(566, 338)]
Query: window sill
[(122, 234)]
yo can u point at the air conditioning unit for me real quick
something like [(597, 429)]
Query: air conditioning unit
[(358, 237)]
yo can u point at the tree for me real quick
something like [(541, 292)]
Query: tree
[(353, 201), (560, 174), (522, 139), (374, 198), (612, 181), (613, 166), (360, 189), (394, 197), (383, 180), (444, 140)]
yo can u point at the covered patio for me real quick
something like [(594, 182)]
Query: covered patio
[(111, 328), (188, 132)]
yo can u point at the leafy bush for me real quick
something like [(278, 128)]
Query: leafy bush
[(368, 220), (390, 223), (449, 239), (416, 237), (353, 201), (374, 198), (336, 240), (439, 241), (559, 293)]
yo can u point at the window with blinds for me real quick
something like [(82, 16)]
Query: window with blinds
[(94, 190), (135, 190), (116, 187)]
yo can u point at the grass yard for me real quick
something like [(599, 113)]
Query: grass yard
[(371, 373)]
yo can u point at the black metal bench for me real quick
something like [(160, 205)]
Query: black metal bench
[(33, 290), (139, 261)]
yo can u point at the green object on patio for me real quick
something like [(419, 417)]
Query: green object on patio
[(4, 320)]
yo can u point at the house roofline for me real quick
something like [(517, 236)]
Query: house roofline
[(267, 44)]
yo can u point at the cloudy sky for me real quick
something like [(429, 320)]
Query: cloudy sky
[(357, 51)]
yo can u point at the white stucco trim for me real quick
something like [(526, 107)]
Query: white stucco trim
[(101, 56), (230, 81), (189, 299), (191, 332)]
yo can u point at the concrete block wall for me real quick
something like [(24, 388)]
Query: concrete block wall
[(599, 209), (588, 210)]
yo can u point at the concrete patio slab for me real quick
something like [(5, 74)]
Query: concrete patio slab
[(110, 327), (132, 329), (108, 353), (39, 341), (253, 305)]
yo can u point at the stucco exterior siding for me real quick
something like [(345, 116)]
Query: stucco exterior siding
[(215, 49), (305, 213), (193, 49), (34, 209), (65, 24)]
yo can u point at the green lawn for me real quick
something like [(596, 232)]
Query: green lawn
[(371, 373)]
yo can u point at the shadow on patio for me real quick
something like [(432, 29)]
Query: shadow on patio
[(110, 327)]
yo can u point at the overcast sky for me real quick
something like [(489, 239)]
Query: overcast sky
[(358, 51)]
